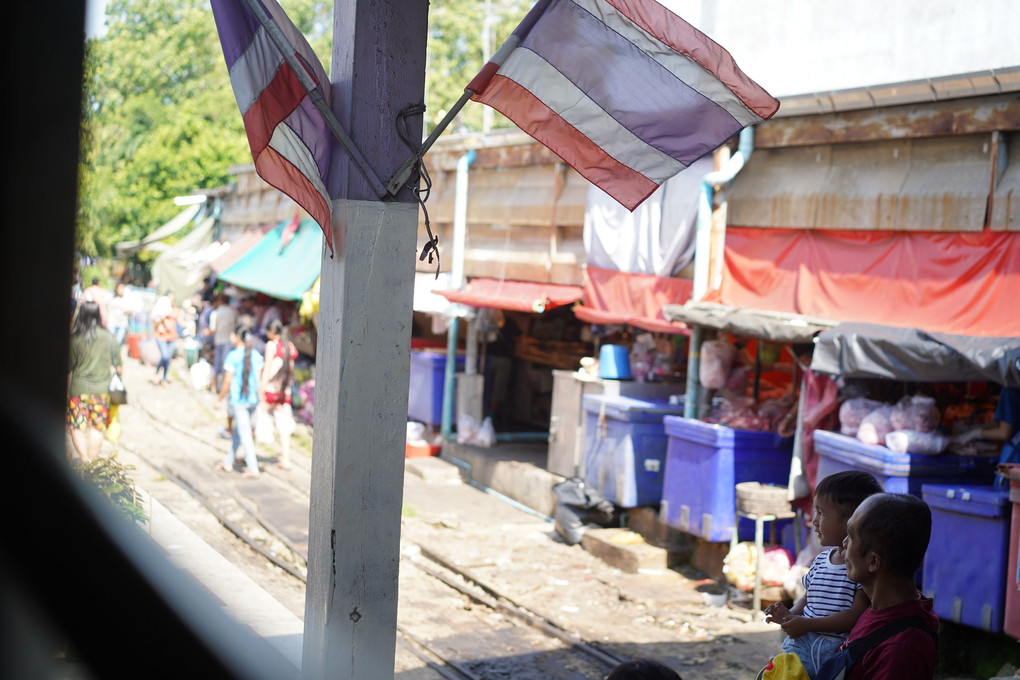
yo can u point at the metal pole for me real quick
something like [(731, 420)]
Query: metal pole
[(693, 373)]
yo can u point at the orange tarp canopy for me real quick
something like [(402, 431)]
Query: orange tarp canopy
[(518, 296), (955, 283), (616, 298)]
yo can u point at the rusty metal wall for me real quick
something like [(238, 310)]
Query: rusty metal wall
[(924, 184)]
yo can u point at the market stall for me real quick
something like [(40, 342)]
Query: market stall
[(517, 333), (747, 390)]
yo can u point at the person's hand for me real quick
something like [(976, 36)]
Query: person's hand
[(776, 613), (795, 626)]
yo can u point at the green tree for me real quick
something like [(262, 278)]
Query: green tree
[(159, 118), (456, 52)]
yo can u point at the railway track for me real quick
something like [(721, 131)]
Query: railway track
[(452, 620)]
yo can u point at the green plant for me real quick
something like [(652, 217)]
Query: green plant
[(110, 476)]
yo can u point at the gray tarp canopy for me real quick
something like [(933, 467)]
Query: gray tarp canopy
[(773, 326), (861, 350)]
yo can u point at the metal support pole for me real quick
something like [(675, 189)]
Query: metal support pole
[(693, 372)]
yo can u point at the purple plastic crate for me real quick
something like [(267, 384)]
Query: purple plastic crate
[(625, 448), (897, 472), (704, 464), (965, 567), (426, 386)]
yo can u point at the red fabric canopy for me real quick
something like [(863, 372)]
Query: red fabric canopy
[(517, 296), (613, 297), (956, 283)]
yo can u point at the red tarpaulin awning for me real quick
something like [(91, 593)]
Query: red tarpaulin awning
[(516, 296), (617, 298), (956, 283)]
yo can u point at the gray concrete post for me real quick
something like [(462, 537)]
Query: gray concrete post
[(363, 352)]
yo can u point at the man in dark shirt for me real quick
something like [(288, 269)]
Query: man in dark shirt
[(887, 537)]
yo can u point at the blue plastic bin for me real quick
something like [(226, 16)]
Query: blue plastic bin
[(426, 384), (965, 567), (705, 462), (625, 448), (897, 472)]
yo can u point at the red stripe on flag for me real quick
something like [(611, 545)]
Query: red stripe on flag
[(277, 101), (532, 115), (479, 82), (280, 173), (671, 30)]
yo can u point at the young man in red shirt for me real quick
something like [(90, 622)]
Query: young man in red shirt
[(886, 540)]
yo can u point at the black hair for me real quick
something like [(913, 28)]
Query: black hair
[(897, 527), (282, 334), (247, 337), (848, 489), (87, 319), (643, 669)]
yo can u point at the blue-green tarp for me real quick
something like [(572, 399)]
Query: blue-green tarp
[(279, 267)]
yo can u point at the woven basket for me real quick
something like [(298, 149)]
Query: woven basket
[(761, 499)]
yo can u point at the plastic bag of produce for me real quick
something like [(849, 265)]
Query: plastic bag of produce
[(852, 412), (876, 425), (917, 413), (201, 374), (912, 441), (716, 360), (739, 565)]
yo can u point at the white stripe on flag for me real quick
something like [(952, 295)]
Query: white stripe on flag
[(289, 145), (685, 69), (256, 68), (550, 86)]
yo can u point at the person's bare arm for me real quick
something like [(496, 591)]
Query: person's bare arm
[(778, 613), (999, 431), (225, 387), (840, 622)]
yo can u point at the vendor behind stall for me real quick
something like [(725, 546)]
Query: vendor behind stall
[(1005, 427)]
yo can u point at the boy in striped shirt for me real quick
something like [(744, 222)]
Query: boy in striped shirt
[(818, 623)]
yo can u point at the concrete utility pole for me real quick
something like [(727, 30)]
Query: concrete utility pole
[(363, 353)]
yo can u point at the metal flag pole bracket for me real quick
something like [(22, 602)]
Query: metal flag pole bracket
[(281, 42), (401, 176), (476, 85)]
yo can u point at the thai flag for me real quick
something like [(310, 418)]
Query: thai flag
[(290, 141), (625, 91)]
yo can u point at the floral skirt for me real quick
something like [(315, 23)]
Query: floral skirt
[(88, 410)]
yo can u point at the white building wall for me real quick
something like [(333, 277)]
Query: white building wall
[(802, 46)]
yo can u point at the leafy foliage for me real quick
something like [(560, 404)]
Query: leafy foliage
[(159, 118), (456, 52), (110, 477)]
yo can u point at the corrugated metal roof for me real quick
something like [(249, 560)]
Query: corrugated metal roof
[(992, 81)]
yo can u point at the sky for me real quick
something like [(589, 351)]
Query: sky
[(95, 11)]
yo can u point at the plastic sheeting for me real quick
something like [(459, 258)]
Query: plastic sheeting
[(856, 350), (125, 248), (618, 298), (238, 247), (181, 268), (773, 326), (954, 283), (657, 237), (279, 267)]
